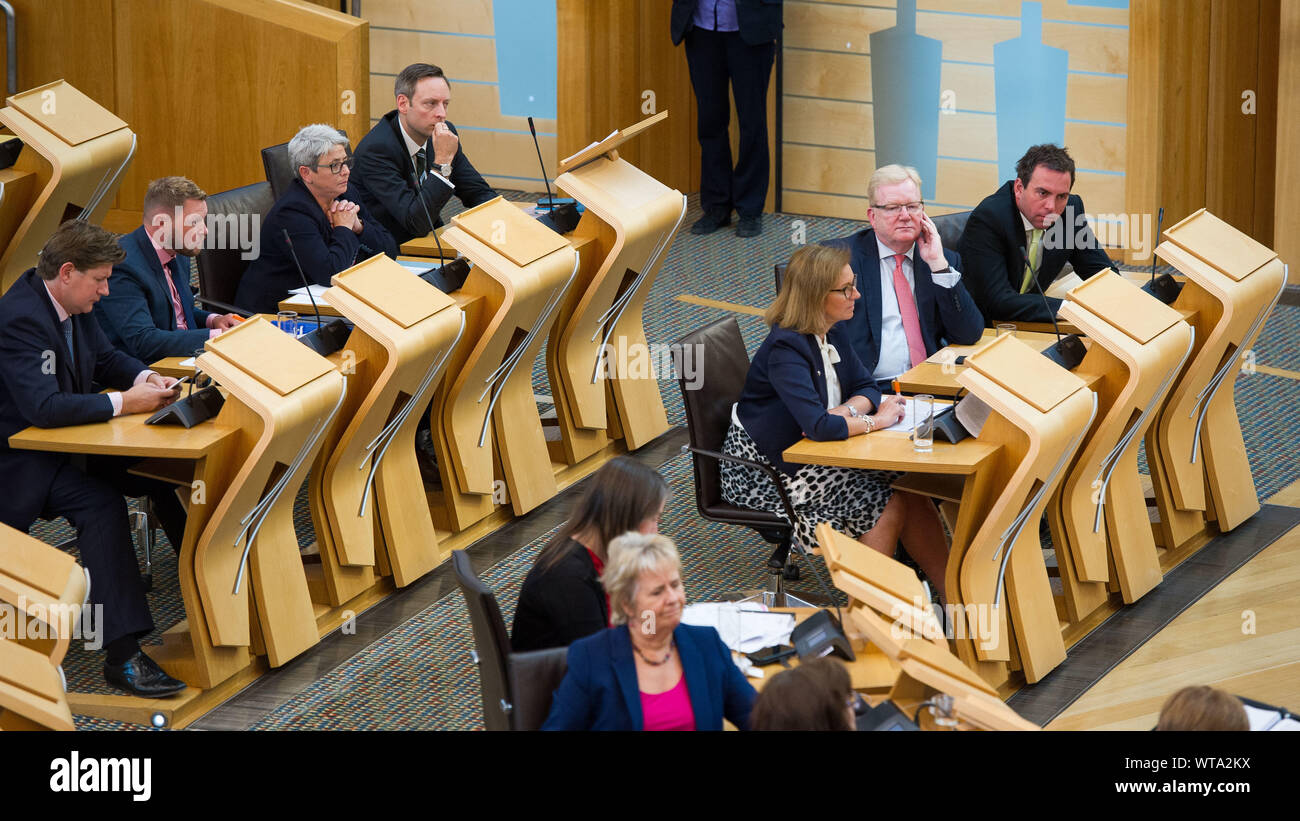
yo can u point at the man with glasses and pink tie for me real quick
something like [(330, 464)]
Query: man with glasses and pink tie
[(911, 299), (326, 225)]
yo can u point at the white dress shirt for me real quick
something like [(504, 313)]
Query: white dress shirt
[(895, 358), (412, 147), (114, 397)]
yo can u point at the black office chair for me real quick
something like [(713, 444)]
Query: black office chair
[(517, 687), (222, 266), (279, 171), (724, 362), (951, 227)]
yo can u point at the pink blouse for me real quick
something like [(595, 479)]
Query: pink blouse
[(669, 710)]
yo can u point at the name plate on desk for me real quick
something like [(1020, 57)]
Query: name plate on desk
[(270, 355), (389, 288), (1025, 372), (1126, 306), (500, 225)]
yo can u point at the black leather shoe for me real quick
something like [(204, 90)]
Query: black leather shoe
[(141, 676), (750, 226), (711, 221)]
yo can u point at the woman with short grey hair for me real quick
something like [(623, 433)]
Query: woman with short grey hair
[(319, 218), (649, 671)]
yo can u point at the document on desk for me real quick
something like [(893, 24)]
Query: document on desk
[(744, 627), (908, 422), (298, 296), (418, 268)]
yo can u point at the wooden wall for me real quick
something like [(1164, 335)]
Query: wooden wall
[(458, 36), (1286, 215), (204, 84), (1194, 140), (828, 118)]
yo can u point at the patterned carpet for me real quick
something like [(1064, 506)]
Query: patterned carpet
[(419, 676)]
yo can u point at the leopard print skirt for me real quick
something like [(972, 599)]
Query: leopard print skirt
[(850, 499)]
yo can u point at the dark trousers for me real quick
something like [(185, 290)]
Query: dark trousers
[(716, 59), (93, 503)]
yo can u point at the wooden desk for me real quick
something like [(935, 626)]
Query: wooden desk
[(871, 672)]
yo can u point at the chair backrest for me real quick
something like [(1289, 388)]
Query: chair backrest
[(223, 265), (491, 641), (534, 678), (951, 227), (723, 362), (279, 171)]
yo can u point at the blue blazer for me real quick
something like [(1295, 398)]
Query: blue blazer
[(599, 690), (322, 249), (947, 315), (785, 391), (137, 314), (48, 391)]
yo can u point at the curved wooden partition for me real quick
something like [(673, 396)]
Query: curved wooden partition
[(404, 331), (1139, 345), (1040, 415), (46, 585), (76, 150), (282, 396), (1232, 283), (31, 690), (521, 273)]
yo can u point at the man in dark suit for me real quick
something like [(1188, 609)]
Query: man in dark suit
[(416, 143), (912, 301), (1025, 231), (730, 40), (53, 359), (149, 312)]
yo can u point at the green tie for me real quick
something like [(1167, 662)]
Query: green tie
[(1035, 246)]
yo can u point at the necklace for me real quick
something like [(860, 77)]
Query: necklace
[(671, 644)]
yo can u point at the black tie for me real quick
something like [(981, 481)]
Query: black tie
[(420, 165)]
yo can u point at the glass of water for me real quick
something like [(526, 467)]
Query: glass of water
[(923, 423), (287, 321), (1005, 329)]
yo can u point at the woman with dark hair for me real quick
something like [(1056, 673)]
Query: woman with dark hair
[(817, 695), (562, 599), (807, 380)]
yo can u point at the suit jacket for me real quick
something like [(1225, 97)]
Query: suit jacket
[(42, 384), (759, 20), (947, 315), (560, 605), (385, 179), (785, 391), (600, 692), (137, 315), (993, 246), (322, 249)]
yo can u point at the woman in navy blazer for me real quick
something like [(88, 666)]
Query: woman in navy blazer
[(806, 380), (650, 671), (329, 229)]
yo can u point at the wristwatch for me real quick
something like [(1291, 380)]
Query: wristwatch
[(443, 169)]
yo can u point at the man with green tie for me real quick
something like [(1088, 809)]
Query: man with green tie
[(1027, 230)]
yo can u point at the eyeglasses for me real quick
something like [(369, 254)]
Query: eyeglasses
[(891, 211), (337, 167), (847, 291)]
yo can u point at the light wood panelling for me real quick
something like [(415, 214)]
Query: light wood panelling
[(1052, 9), (828, 122), (831, 76), (1146, 48), (1090, 97), (1099, 147), (974, 136), (1265, 187), (248, 72), (1286, 240), (461, 58), (1207, 645), (1230, 133), (833, 27), (65, 40), (461, 17)]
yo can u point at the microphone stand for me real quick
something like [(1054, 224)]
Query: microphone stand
[(1068, 351), (327, 338)]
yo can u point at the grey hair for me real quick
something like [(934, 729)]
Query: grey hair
[(888, 175), (311, 142), (630, 555)]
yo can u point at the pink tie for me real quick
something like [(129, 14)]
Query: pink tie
[(176, 299), (907, 310)]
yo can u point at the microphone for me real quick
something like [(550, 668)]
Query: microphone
[(562, 218), (1164, 287), (449, 276), (1068, 351), (327, 338)]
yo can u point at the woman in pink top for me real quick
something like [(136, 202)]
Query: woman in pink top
[(649, 671)]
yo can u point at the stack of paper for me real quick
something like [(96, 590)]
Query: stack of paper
[(745, 628)]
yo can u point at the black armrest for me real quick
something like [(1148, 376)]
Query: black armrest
[(223, 306)]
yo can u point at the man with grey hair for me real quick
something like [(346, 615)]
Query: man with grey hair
[(328, 228), (150, 311), (411, 162), (911, 300)]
